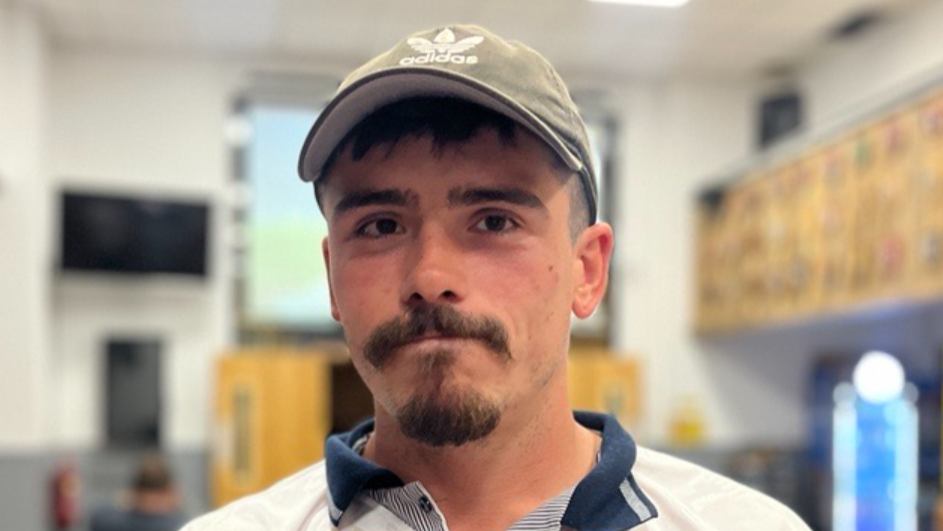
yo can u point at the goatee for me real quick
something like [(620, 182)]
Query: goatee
[(440, 415)]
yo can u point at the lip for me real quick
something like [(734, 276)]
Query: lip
[(432, 339)]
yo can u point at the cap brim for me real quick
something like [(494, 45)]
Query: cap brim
[(368, 94)]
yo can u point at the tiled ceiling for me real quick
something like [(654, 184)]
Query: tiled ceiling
[(703, 37)]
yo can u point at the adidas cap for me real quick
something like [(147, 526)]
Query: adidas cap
[(466, 62)]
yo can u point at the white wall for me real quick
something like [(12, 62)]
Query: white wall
[(149, 124), (678, 136), (24, 222), (852, 74), (141, 125)]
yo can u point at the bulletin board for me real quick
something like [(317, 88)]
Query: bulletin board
[(848, 221)]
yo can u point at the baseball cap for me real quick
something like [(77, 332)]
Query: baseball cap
[(466, 62)]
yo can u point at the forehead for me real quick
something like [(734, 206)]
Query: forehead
[(420, 165)]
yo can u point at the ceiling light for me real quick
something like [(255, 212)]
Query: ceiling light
[(649, 3)]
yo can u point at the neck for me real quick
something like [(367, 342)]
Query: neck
[(157, 502), (534, 454)]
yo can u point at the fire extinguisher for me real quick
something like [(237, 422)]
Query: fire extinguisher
[(65, 496)]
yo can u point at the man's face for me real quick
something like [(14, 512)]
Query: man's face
[(453, 275)]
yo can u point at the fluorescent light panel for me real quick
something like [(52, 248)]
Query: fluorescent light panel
[(649, 3)]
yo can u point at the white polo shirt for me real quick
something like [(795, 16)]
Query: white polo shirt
[(629, 488)]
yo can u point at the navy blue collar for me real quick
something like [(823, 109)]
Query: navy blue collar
[(607, 499)]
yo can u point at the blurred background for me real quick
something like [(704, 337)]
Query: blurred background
[(773, 170)]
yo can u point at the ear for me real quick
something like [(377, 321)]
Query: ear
[(326, 252), (593, 252)]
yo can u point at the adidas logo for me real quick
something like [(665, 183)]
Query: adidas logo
[(442, 49)]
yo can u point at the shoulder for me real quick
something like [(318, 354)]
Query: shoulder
[(296, 503), (106, 518), (689, 497)]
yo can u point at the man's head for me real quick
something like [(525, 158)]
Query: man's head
[(461, 234), (152, 487), (469, 63)]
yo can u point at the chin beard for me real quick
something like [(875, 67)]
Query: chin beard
[(455, 420), (441, 413)]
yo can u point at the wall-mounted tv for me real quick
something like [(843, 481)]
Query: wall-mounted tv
[(137, 235)]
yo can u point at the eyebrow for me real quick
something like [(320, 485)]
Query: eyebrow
[(363, 198), (475, 196)]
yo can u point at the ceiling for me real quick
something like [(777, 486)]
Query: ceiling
[(581, 38)]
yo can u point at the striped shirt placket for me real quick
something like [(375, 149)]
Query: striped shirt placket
[(414, 506)]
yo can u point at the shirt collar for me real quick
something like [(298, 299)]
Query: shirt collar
[(348, 472), (607, 499)]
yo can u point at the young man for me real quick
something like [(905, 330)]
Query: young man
[(455, 176)]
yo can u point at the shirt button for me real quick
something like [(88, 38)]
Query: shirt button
[(425, 504)]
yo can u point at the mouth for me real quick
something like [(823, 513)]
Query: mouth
[(432, 339)]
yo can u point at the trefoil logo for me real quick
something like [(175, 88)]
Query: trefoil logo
[(442, 49)]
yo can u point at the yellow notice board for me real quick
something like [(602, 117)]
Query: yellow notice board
[(850, 222)]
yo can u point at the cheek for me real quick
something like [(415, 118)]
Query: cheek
[(365, 294), (534, 301), (532, 286)]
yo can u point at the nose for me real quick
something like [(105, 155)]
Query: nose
[(435, 270)]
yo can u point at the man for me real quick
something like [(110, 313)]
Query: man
[(455, 176), (152, 504)]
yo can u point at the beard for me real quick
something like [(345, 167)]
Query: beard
[(457, 419), (440, 413)]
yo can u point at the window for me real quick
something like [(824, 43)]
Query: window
[(284, 281)]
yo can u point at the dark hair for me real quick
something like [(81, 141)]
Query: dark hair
[(152, 475), (448, 122)]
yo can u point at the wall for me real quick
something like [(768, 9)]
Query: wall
[(24, 305), (854, 74), (150, 126), (153, 125), (24, 213), (676, 137)]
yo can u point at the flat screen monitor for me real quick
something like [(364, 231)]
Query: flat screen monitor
[(136, 235)]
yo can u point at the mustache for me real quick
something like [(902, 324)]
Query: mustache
[(443, 321)]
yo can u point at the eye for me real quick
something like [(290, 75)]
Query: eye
[(380, 228), (496, 223)]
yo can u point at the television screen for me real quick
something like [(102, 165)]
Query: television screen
[(133, 235)]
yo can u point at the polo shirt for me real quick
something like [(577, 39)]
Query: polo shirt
[(629, 488)]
